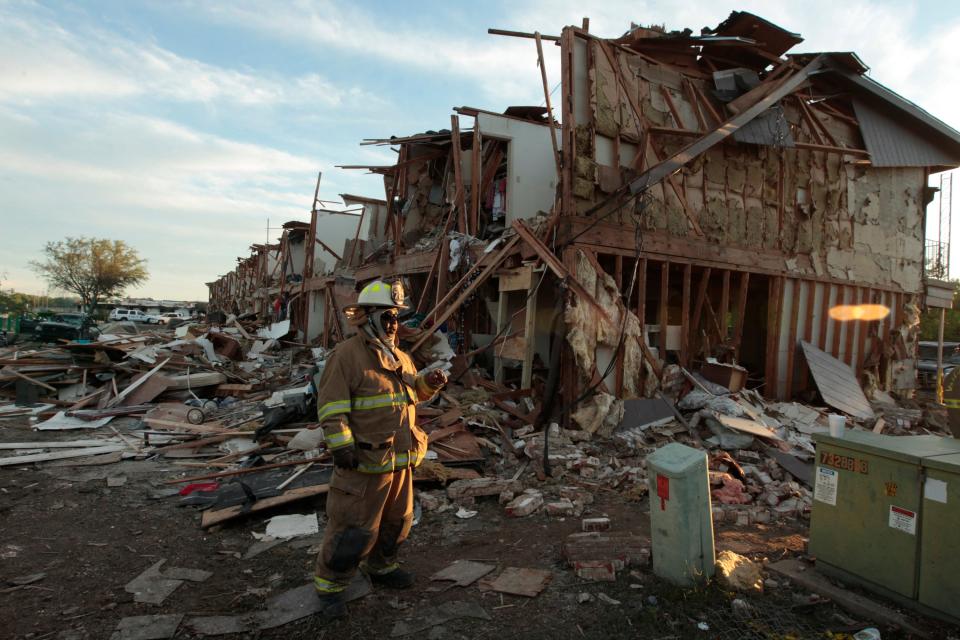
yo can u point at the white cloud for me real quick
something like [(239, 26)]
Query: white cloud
[(188, 200), (45, 61), (503, 68)]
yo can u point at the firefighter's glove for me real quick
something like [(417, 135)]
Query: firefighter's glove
[(345, 457), (437, 378)]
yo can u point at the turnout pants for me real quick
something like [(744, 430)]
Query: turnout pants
[(368, 518)]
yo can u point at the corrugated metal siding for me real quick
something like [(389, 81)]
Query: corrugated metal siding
[(809, 323), (891, 144)]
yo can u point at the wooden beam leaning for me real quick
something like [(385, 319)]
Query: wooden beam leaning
[(482, 274), (673, 107), (679, 193), (546, 96), (694, 102), (554, 264), (458, 172), (522, 34)]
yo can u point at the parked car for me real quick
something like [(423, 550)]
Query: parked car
[(927, 362), (172, 318), (67, 326), (29, 322), (152, 318), (133, 315)]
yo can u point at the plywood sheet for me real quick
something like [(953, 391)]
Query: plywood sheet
[(463, 572), (521, 582), (837, 383), (745, 425)]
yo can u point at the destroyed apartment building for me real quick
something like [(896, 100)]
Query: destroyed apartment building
[(686, 199), (655, 298)]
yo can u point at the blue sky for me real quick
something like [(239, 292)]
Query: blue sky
[(181, 126)]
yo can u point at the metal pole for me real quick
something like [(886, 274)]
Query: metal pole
[(943, 315)]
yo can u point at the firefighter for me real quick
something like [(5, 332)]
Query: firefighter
[(366, 402)]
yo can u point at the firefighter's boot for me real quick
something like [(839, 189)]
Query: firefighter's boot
[(396, 579), (334, 605)]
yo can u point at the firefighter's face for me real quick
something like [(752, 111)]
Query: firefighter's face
[(389, 322)]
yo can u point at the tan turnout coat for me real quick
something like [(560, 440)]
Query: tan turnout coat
[(364, 401)]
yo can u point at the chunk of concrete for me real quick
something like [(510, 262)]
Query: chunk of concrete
[(738, 572)]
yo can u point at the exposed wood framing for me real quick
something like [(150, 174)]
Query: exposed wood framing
[(476, 166), (774, 314), (792, 335), (717, 135), (672, 106), (483, 270), (741, 309), (458, 172), (808, 326), (725, 304), (810, 146), (698, 308), (642, 295), (685, 317), (694, 102), (838, 326), (866, 296), (664, 309), (824, 316)]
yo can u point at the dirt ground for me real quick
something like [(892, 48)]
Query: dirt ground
[(90, 540)]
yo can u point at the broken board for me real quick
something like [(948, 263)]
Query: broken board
[(60, 455), (519, 581), (837, 383), (744, 425), (211, 518), (463, 573)]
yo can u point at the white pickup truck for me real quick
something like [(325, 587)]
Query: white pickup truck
[(173, 317), (132, 315)]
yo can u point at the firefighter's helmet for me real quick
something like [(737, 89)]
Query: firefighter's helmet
[(381, 294)]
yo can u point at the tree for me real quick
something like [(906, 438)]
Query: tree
[(93, 268), (13, 302)]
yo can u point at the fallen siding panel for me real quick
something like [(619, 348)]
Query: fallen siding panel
[(837, 383)]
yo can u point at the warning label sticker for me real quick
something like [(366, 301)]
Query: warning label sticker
[(903, 519), (825, 486)]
